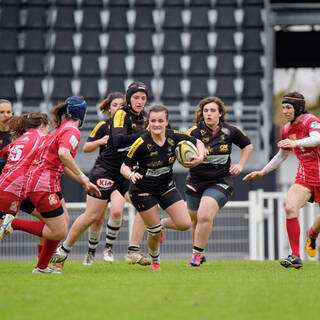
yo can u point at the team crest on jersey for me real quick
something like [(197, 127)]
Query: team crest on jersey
[(315, 125), (14, 206), (73, 141), (149, 146), (292, 137), (52, 199), (226, 131), (134, 125), (203, 132), (104, 183), (171, 159), (171, 142)]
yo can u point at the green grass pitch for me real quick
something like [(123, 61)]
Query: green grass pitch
[(216, 290)]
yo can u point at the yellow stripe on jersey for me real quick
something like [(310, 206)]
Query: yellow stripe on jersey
[(178, 131), (191, 129), (134, 147), (96, 128), (118, 120), (232, 125)]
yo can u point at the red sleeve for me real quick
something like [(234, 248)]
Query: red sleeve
[(313, 124), (69, 139)]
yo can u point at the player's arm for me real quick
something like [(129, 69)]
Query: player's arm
[(237, 168), (90, 146), (312, 141), (69, 163), (274, 163), (98, 137)]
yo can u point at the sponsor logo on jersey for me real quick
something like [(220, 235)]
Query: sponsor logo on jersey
[(73, 141), (14, 206), (171, 142), (155, 164), (134, 147), (216, 159), (157, 172), (153, 154), (292, 137), (205, 139), (104, 183), (315, 125), (224, 148), (52, 199), (171, 159)]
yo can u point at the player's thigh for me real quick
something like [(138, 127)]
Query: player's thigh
[(208, 209), (297, 196), (150, 217), (117, 203)]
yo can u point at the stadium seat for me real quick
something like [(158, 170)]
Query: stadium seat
[(32, 93), (252, 90), (172, 93), (172, 18), (199, 42), (116, 65), (64, 18), (8, 64), (9, 17), (9, 40), (225, 89), (199, 65), (7, 88), (142, 65), (61, 89), (198, 89), (226, 17), (252, 17), (35, 41), (172, 65), (225, 40), (89, 65), (118, 19), (62, 41), (61, 65), (143, 41), (35, 17), (144, 19), (225, 64), (34, 64), (116, 84), (172, 42), (89, 90), (252, 40), (252, 64), (90, 42), (91, 18), (199, 17), (117, 42)]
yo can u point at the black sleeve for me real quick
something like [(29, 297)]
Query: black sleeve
[(239, 138), (99, 131), (122, 141), (134, 153)]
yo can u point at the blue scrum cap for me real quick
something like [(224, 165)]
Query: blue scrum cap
[(76, 108)]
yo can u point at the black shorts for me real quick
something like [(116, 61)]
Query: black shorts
[(107, 185), (143, 201)]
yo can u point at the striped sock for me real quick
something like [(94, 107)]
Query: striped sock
[(112, 231)]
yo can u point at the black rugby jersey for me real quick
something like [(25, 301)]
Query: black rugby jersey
[(155, 162), (125, 128), (219, 144), (5, 139), (100, 130)]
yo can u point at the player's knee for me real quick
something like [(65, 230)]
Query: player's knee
[(291, 211), (154, 230), (116, 214)]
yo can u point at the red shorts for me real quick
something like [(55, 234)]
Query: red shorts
[(47, 203), (9, 202), (315, 190)]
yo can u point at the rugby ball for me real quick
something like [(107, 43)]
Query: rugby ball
[(185, 151)]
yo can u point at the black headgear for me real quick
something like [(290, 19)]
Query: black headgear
[(297, 101), (133, 88)]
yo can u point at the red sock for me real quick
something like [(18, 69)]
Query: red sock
[(313, 234), (33, 227), (293, 229), (49, 247), (39, 246)]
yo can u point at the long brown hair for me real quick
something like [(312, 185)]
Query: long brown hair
[(59, 111), (20, 124), (198, 116), (106, 103)]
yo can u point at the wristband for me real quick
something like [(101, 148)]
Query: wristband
[(81, 174), (130, 175)]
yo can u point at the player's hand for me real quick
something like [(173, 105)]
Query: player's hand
[(136, 176), (104, 140), (287, 143), (90, 187), (254, 175), (235, 169), (194, 162)]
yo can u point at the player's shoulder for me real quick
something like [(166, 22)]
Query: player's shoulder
[(230, 128)]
